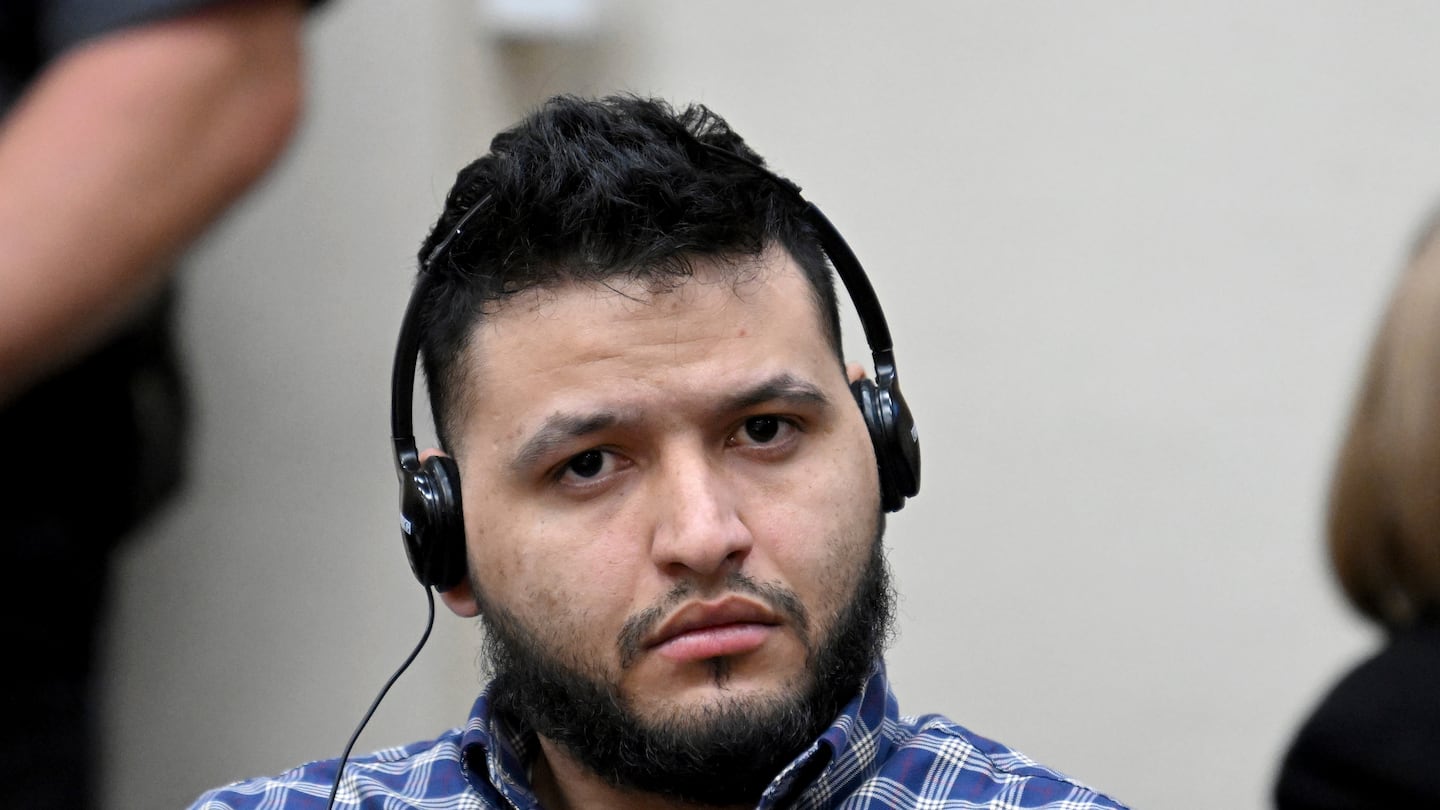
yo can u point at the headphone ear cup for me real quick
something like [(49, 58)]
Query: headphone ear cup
[(432, 523), (894, 438), (446, 563)]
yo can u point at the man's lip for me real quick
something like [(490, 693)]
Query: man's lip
[(702, 615)]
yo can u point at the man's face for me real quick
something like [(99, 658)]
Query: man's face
[(669, 491)]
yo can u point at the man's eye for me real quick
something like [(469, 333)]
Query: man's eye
[(587, 465), (590, 469), (762, 429)]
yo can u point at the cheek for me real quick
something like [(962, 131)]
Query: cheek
[(493, 563), (565, 583), (848, 484), (820, 538), (510, 543)]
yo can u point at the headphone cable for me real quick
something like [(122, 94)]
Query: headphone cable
[(340, 769)]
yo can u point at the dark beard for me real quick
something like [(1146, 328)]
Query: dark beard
[(727, 754)]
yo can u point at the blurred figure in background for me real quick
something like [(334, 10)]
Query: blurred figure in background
[(129, 126), (1374, 741)]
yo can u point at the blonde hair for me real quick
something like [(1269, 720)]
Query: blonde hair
[(1384, 520)]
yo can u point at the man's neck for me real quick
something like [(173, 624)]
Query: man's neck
[(562, 783)]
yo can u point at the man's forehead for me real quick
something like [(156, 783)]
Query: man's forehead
[(671, 290), (585, 316)]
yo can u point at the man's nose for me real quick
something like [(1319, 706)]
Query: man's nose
[(698, 528)]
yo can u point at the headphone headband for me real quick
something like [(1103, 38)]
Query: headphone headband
[(407, 351), (842, 258)]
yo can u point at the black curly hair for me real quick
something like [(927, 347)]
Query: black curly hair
[(594, 190)]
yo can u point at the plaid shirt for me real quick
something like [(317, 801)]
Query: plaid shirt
[(870, 758)]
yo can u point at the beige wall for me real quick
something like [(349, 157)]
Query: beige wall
[(1132, 256)]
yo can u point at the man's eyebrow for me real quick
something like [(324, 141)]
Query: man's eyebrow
[(559, 429), (782, 387), (562, 428)]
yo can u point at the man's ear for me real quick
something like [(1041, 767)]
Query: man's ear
[(854, 372), (460, 598)]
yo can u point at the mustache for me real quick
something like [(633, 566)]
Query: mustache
[(778, 598)]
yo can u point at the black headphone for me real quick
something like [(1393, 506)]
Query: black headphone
[(431, 517)]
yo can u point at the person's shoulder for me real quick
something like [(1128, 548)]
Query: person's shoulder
[(1371, 735), (1393, 687), (429, 770), (952, 761)]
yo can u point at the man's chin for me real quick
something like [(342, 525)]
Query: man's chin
[(709, 745), (689, 702)]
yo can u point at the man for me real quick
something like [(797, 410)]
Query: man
[(129, 126), (671, 505)]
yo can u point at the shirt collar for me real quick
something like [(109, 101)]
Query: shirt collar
[(496, 754), (497, 751), (846, 753)]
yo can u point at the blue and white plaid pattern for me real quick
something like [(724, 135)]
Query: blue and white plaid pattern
[(869, 759)]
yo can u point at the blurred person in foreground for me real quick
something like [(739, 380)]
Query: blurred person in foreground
[(659, 495), (129, 126), (1374, 741)]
